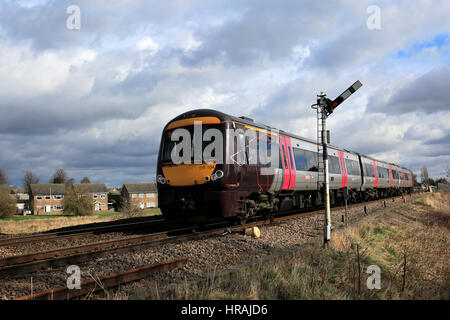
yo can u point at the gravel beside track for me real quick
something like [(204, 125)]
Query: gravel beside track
[(14, 250), (217, 253)]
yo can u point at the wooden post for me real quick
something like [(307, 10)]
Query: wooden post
[(365, 210), (359, 271), (404, 271)]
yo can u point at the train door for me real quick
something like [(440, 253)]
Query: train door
[(344, 175), (290, 154), (286, 162), (375, 173), (392, 177)]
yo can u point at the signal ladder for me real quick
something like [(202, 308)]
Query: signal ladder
[(320, 162)]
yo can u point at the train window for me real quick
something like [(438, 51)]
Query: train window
[(252, 150), (388, 175), (311, 160), (369, 170), (380, 172), (291, 153), (264, 149), (300, 161), (352, 167), (286, 166), (334, 165), (241, 155)]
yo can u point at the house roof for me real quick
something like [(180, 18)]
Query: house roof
[(140, 187), (46, 189), (91, 187)]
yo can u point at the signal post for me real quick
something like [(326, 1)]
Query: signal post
[(324, 108)]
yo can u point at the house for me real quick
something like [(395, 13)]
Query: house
[(97, 191), (47, 198), (143, 195), (22, 202)]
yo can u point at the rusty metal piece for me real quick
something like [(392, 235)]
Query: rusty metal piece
[(114, 280)]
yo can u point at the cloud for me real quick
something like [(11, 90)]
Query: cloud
[(428, 93), (94, 100)]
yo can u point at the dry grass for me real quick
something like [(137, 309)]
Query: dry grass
[(417, 231), (46, 224)]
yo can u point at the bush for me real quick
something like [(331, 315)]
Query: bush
[(78, 203), (7, 205), (130, 209)]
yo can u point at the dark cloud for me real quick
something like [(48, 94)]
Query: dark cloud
[(260, 30), (428, 93)]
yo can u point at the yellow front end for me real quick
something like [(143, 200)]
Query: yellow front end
[(188, 174)]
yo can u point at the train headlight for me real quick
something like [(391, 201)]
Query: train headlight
[(161, 179), (219, 174)]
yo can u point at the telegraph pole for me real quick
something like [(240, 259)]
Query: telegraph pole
[(325, 107)]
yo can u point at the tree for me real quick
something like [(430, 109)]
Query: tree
[(60, 176), (424, 176), (78, 203), (85, 180), (7, 205), (28, 179), (3, 177)]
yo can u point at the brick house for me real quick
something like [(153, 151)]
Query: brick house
[(143, 195), (47, 198), (98, 192)]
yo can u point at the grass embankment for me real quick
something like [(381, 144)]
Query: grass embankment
[(41, 223), (417, 232)]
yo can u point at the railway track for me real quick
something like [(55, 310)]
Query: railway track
[(73, 255), (106, 282), (79, 233)]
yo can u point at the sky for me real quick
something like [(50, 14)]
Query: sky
[(91, 92)]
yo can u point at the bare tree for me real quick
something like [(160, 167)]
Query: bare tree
[(60, 176), (85, 180), (3, 177), (28, 179), (424, 176)]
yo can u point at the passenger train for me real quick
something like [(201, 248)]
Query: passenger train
[(243, 184)]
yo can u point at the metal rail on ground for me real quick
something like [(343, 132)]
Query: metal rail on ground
[(106, 282)]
